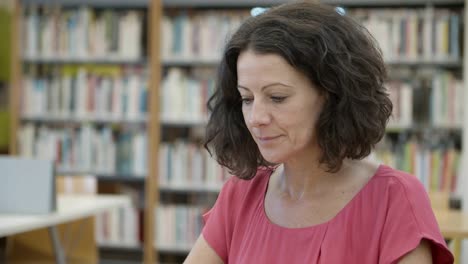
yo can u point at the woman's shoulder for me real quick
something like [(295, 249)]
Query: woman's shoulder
[(397, 180), (241, 187), (409, 218), (393, 187), (380, 181)]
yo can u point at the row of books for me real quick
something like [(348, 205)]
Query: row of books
[(85, 91), (184, 94), (116, 227), (414, 34), (87, 149), (78, 185), (122, 227), (189, 164), (437, 100), (403, 34), (50, 32), (200, 34), (113, 92), (119, 227), (401, 95), (178, 226), (446, 106), (436, 165)]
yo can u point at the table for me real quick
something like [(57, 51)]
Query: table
[(69, 208), (453, 225)]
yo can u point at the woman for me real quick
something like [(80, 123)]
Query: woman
[(299, 104)]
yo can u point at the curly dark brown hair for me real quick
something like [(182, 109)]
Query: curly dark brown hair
[(341, 59)]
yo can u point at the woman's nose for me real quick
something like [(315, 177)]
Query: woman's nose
[(259, 114)]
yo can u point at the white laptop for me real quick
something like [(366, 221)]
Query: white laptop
[(27, 186)]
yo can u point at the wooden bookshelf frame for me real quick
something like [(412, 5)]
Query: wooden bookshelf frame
[(154, 130), (15, 88)]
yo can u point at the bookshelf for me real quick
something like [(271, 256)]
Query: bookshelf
[(74, 58), (158, 120), (426, 87)]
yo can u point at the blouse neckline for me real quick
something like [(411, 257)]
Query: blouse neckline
[(320, 225)]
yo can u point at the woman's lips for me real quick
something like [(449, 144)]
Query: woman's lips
[(267, 139)]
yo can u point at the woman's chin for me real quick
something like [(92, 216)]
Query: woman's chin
[(273, 159)]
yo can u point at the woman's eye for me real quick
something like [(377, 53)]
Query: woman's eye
[(246, 101), (278, 99)]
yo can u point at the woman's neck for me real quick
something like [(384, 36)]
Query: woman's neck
[(299, 181)]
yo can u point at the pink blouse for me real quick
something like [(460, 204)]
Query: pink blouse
[(384, 221)]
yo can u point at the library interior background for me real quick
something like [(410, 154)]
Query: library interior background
[(77, 86)]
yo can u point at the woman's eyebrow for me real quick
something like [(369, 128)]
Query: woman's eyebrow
[(264, 87)]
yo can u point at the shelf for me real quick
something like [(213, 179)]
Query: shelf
[(66, 172), (183, 122), (61, 120), (71, 60), (184, 62), (446, 63), (220, 3), (93, 3), (400, 128), (120, 254), (102, 176), (140, 179), (176, 249), (104, 260), (392, 3), (166, 3), (233, 4), (75, 120), (111, 246), (191, 188)]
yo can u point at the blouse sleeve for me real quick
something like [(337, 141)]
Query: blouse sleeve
[(409, 220), (219, 221)]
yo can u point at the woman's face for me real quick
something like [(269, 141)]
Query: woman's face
[(280, 106)]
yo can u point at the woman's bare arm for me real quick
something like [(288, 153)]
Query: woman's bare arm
[(420, 255), (202, 253)]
